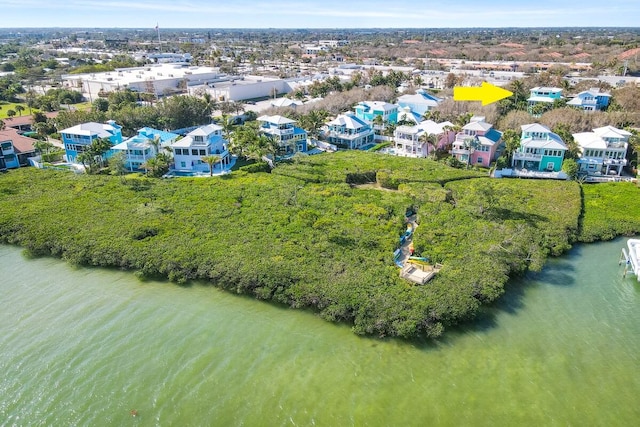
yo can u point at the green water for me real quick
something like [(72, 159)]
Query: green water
[(86, 346)]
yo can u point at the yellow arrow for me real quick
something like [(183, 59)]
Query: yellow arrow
[(487, 93)]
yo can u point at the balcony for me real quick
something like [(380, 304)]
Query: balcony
[(529, 157), (615, 162), (461, 151)]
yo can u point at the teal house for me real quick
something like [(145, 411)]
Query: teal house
[(368, 110), (540, 150)]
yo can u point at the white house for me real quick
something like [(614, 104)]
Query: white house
[(411, 140), (203, 141), (602, 151)]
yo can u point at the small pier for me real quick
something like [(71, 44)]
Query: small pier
[(631, 258)]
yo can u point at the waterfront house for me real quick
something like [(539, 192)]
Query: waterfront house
[(144, 146), (543, 95), (15, 149), (76, 139), (477, 143), (420, 102), (368, 110), (603, 151), (289, 138), (540, 150), (414, 140), (203, 141), (348, 131), (591, 100)]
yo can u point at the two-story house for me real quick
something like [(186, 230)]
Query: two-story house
[(540, 150), (368, 110), (289, 138), (477, 143), (348, 131), (144, 146), (203, 141), (422, 139), (15, 149), (591, 100), (544, 95), (602, 151), (76, 139), (419, 103)]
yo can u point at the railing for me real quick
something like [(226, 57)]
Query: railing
[(460, 151), (527, 156)]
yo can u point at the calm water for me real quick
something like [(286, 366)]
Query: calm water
[(86, 346)]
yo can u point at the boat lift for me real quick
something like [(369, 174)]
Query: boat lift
[(631, 258)]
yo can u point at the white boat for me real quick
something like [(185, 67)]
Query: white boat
[(631, 257)]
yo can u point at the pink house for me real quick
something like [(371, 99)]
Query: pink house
[(478, 143)]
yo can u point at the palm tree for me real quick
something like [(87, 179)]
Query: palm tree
[(19, 109), (227, 126), (511, 142), (2, 125), (430, 139), (211, 160)]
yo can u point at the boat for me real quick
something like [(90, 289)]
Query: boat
[(631, 257)]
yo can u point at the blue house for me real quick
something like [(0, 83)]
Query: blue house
[(591, 100), (368, 110), (545, 95), (419, 103), (76, 139), (290, 138), (141, 147), (15, 149)]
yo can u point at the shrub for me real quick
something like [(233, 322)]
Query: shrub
[(256, 167)]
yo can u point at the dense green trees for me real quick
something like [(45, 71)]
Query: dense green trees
[(307, 235)]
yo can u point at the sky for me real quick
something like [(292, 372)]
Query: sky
[(318, 14)]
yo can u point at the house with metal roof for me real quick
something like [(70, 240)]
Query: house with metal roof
[(348, 131), (289, 138), (423, 138), (203, 141), (543, 95), (591, 100), (603, 151), (368, 110), (77, 138), (420, 102), (144, 146), (540, 150), (477, 143)]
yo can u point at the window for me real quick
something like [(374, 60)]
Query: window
[(194, 152), (203, 152), (183, 165)]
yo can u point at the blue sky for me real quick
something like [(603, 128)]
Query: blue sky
[(318, 14)]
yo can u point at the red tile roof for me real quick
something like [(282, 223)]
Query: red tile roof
[(21, 144), (25, 120)]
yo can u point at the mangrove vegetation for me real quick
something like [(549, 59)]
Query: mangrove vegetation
[(319, 231)]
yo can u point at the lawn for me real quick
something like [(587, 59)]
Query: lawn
[(6, 106)]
